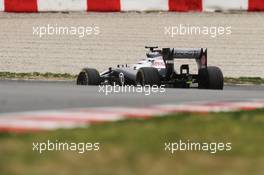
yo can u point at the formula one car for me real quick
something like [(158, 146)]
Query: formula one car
[(158, 69)]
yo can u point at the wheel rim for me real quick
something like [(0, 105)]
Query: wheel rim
[(82, 79)]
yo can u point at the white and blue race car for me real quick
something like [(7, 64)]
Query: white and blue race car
[(158, 69)]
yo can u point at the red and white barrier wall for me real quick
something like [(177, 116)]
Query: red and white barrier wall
[(129, 5)]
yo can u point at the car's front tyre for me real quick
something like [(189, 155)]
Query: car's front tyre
[(89, 76), (148, 76)]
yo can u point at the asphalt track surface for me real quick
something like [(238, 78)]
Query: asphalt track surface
[(18, 96)]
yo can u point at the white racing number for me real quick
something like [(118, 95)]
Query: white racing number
[(121, 79)]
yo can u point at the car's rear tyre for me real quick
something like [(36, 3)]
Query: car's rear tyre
[(210, 78), (148, 76), (89, 76)]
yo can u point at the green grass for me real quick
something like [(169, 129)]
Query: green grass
[(137, 147), (67, 76), (37, 76), (244, 80)]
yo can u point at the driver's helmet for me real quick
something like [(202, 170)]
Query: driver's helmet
[(153, 54)]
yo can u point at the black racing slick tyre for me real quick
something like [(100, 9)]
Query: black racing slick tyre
[(89, 76), (210, 78), (148, 76)]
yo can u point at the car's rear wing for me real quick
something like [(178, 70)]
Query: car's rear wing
[(169, 54)]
